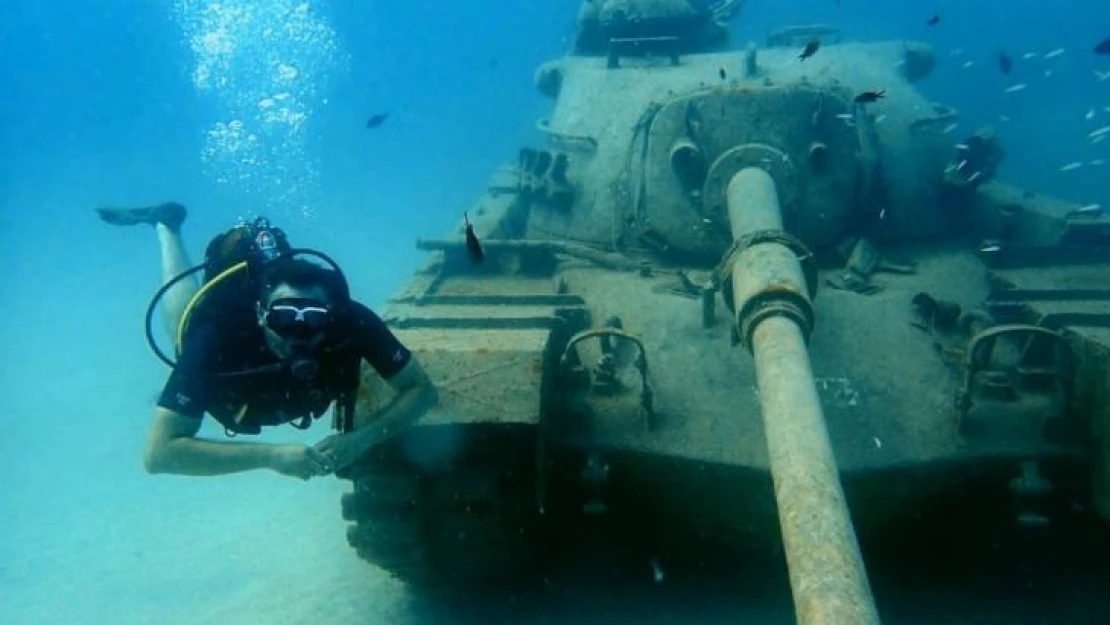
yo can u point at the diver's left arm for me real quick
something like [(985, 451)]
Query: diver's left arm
[(415, 396)]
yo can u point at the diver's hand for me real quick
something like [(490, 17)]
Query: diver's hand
[(340, 450), (299, 461)]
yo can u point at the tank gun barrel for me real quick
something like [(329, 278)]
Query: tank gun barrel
[(773, 310)]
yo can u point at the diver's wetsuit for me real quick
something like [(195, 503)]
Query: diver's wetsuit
[(275, 396)]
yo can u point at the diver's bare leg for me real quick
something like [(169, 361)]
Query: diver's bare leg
[(167, 220), (174, 261)]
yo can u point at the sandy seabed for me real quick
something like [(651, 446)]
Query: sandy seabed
[(267, 550)]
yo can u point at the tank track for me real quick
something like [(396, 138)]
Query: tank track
[(474, 523)]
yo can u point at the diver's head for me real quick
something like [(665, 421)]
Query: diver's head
[(298, 305)]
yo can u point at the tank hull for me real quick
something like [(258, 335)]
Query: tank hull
[(691, 480)]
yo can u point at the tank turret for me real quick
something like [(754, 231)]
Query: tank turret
[(606, 27)]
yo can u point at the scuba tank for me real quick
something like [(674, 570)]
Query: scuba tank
[(256, 243)]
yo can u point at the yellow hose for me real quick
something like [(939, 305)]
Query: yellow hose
[(204, 289)]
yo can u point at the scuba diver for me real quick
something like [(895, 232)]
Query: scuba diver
[(269, 337)]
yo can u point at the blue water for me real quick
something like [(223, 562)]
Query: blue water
[(135, 102)]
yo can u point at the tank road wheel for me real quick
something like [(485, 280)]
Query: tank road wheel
[(471, 526), (385, 530)]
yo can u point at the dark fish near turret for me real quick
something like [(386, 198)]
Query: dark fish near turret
[(1103, 46), (1005, 63), (867, 97), (473, 247), (377, 119), (934, 20), (810, 49)]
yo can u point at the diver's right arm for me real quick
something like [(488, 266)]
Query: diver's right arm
[(172, 447)]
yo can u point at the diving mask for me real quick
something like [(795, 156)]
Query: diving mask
[(297, 318)]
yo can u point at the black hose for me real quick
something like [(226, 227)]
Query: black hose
[(327, 259), (154, 304)]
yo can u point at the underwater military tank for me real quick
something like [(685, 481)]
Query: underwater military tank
[(740, 294)]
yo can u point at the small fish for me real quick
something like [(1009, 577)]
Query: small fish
[(1099, 131), (1028, 55), (1103, 46), (1099, 139), (969, 64), (1101, 76), (975, 176), (990, 248), (880, 118), (949, 128), (473, 247), (934, 20), (1098, 162), (1090, 114), (868, 97), (657, 572), (1090, 210), (962, 146), (1005, 63), (1055, 53), (1015, 88), (1048, 73), (955, 52), (845, 116), (723, 74), (376, 120), (1071, 166), (1003, 118), (810, 49)]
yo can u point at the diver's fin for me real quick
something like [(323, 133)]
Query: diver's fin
[(170, 214)]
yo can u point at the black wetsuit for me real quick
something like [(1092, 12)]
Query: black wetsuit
[(216, 347)]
